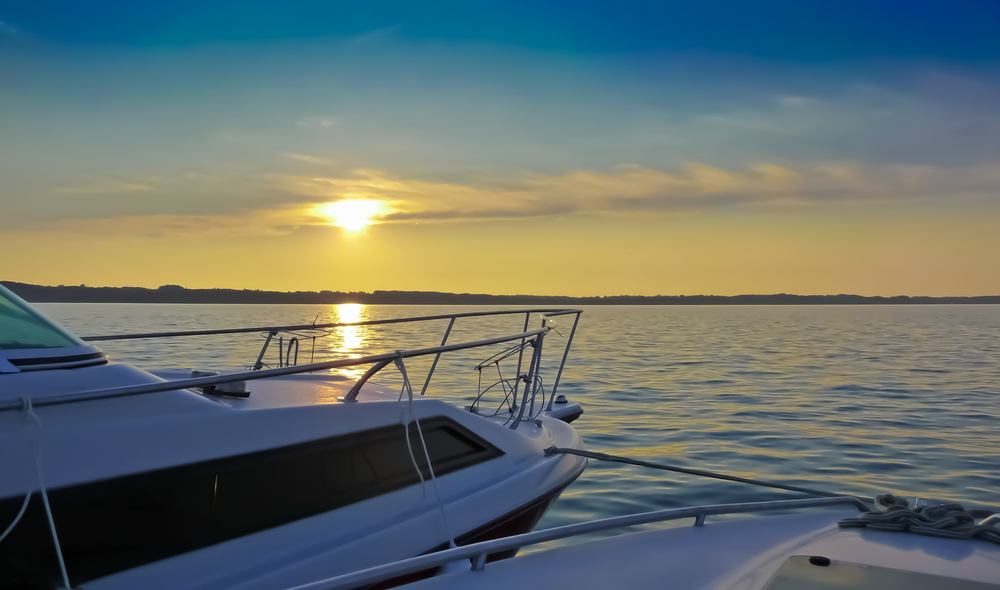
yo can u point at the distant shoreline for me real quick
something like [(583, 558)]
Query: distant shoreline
[(177, 294)]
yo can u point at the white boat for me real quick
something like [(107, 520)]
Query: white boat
[(831, 541), (114, 477)]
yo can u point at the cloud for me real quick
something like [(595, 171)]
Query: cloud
[(104, 187), (235, 225), (693, 187), (6, 29), (318, 122), (314, 161), (796, 102), (287, 203), (373, 37)]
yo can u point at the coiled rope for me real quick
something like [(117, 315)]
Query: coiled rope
[(949, 521)]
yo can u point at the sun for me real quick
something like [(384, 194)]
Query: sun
[(351, 214)]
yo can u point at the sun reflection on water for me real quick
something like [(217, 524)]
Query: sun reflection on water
[(352, 337)]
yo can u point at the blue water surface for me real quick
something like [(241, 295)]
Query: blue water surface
[(861, 399)]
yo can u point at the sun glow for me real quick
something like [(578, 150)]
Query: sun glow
[(351, 214)]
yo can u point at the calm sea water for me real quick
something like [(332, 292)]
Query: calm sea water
[(862, 399)]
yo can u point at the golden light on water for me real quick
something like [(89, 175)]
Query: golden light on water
[(351, 336), (351, 214)]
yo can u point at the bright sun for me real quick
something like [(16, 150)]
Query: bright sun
[(352, 214)]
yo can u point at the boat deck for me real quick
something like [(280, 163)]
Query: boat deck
[(308, 389), (747, 554)]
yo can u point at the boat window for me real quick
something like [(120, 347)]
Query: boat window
[(118, 524), (23, 327)]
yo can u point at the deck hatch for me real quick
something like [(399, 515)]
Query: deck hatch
[(802, 572)]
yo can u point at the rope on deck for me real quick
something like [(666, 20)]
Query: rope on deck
[(892, 514), (949, 521)]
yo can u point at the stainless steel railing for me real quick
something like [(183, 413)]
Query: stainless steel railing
[(477, 552), (544, 311), (377, 361)]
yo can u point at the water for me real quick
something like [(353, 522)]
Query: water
[(862, 399)]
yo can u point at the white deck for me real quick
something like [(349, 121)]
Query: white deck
[(738, 554)]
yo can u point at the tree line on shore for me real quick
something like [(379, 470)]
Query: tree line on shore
[(178, 294)]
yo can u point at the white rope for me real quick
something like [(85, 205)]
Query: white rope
[(405, 419), (409, 413), (27, 498), (36, 445)]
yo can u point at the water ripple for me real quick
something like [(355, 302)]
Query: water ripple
[(862, 399)]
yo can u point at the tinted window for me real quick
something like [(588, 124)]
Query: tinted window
[(23, 327), (122, 523)]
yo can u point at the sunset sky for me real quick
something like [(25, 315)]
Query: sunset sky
[(577, 148)]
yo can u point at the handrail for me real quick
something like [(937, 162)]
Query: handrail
[(352, 394), (548, 312), (272, 331), (146, 388), (478, 551)]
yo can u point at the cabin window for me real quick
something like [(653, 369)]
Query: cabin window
[(118, 524), (22, 327)]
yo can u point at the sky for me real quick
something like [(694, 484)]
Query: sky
[(562, 148)]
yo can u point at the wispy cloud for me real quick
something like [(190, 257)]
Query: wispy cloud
[(693, 187), (318, 122), (6, 29), (104, 187), (235, 225), (796, 102), (373, 37), (307, 159), (283, 202)]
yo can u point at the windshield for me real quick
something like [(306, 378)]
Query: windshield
[(23, 327)]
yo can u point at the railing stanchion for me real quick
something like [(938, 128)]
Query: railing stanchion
[(538, 370), (569, 342), (536, 359), (260, 357), (520, 356), (437, 357)]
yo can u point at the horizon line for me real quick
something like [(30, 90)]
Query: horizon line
[(166, 290)]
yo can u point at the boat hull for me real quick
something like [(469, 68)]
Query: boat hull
[(516, 522)]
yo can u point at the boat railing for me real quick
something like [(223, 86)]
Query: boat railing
[(528, 339), (478, 552)]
